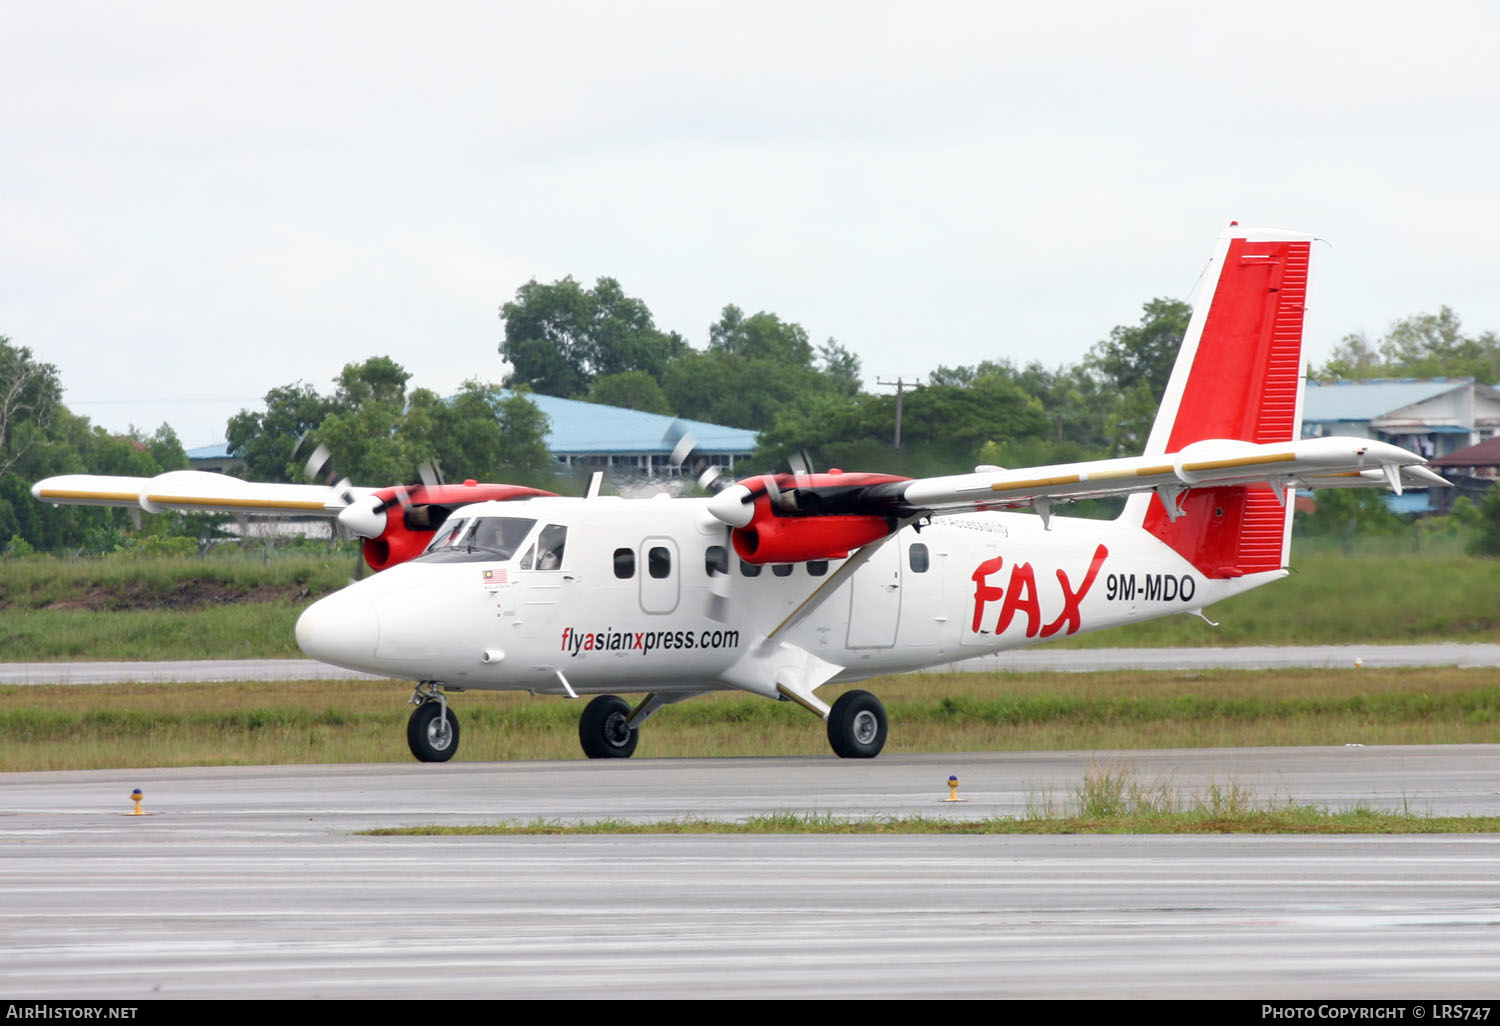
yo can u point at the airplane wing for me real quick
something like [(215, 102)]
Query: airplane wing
[(1336, 462), (195, 491)]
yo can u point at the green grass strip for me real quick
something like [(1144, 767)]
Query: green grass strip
[(1300, 819)]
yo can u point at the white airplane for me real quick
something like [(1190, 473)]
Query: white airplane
[(781, 584)]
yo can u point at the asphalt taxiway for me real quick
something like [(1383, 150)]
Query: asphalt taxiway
[(254, 881)]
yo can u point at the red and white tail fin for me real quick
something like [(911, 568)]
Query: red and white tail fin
[(1238, 376)]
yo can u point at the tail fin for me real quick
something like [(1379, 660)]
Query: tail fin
[(1238, 376)]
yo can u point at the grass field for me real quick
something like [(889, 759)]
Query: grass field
[(135, 725), (243, 605)]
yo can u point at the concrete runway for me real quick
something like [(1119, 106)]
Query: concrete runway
[(1254, 657), (251, 882)]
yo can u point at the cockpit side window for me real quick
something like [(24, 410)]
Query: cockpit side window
[(549, 547)]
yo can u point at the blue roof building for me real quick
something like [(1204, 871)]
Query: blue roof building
[(1432, 417), (591, 436)]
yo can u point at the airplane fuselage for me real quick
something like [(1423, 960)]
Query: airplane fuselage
[(649, 596)]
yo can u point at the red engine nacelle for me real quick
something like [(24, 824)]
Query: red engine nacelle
[(820, 526), (423, 512)]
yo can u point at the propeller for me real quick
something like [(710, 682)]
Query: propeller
[(320, 460), (348, 520), (685, 456), (710, 478)]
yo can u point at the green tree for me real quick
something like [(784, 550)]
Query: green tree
[(378, 434), (840, 369), (1076, 404), (1487, 541), (631, 390), (481, 432), (1420, 346), (265, 440), (1133, 366), (1347, 512), (762, 336), (378, 379), (943, 428), (30, 393), (558, 337)]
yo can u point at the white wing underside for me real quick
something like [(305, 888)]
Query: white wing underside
[(195, 491)]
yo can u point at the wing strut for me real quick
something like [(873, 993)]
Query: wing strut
[(838, 577)]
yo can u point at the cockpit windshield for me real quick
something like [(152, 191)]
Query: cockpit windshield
[(487, 539)]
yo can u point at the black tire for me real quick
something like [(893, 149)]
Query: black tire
[(857, 726), (426, 736), (602, 730)]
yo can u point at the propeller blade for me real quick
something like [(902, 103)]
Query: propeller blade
[(683, 449), (317, 461), (709, 479), (432, 474), (777, 496)]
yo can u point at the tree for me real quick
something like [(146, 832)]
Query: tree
[(1133, 366), (378, 379), (30, 393), (481, 432), (377, 434), (763, 336), (1420, 346), (558, 337), (840, 368), (265, 441), (942, 429), (632, 390), (1487, 542)]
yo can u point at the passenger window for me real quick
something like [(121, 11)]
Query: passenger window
[(659, 562), (917, 557), (624, 564), (716, 560), (549, 553), (782, 569), (749, 569), (817, 567)]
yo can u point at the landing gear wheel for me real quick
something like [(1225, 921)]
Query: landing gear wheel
[(857, 726), (432, 732), (603, 729)]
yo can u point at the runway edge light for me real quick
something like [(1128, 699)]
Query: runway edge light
[(953, 790), (136, 797)]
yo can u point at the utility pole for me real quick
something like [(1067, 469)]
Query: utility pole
[(900, 384)]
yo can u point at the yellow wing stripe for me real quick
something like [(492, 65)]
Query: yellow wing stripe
[(1242, 461), (193, 500), (70, 493), (1041, 482)]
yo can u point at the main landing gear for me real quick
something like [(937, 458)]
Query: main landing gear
[(857, 726), (604, 729)]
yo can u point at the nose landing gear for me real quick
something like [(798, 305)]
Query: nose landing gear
[(432, 731)]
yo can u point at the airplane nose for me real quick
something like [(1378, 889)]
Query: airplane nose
[(341, 629)]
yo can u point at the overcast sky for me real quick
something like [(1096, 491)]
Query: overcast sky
[(201, 201)]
